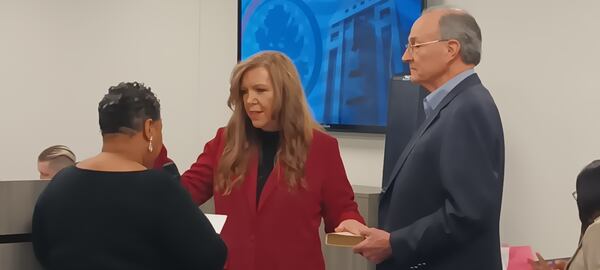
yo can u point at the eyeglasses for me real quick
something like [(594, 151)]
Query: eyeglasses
[(574, 195), (410, 48)]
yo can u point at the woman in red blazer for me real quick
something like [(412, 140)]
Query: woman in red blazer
[(273, 172)]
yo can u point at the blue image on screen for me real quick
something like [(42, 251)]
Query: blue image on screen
[(346, 51)]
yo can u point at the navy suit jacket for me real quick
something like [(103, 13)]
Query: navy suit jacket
[(441, 203)]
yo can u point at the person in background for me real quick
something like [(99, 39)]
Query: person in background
[(113, 211), (273, 172), (53, 159), (587, 195)]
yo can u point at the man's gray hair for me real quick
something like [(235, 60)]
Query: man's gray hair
[(459, 25)]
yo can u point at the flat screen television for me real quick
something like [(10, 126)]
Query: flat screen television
[(346, 52)]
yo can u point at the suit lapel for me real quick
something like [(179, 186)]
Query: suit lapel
[(428, 122), (250, 182), (270, 185), (408, 149)]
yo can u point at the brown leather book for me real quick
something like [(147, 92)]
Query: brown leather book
[(343, 239)]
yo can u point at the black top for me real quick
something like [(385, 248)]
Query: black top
[(269, 144), (122, 220)]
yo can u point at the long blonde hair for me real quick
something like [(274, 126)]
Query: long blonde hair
[(290, 110)]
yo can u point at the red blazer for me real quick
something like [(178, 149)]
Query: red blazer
[(162, 159), (283, 231), (164, 163)]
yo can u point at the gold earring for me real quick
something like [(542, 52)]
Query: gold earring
[(150, 148)]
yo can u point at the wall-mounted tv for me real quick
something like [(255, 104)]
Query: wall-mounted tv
[(346, 52)]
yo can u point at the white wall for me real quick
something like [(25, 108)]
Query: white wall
[(58, 58)]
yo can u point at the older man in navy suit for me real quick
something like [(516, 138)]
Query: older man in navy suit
[(440, 207)]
